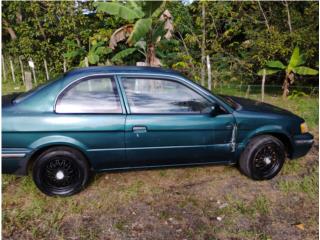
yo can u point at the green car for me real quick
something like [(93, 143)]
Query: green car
[(114, 118)]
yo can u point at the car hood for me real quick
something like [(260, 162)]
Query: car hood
[(244, 104)]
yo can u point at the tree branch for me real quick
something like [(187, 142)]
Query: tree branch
[(264, 16), (289, 17), (203, 44), (9, 29)]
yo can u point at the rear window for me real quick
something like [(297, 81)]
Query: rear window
[(92, 95), (27, 94)]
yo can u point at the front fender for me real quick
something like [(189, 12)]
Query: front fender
[(244, 136)]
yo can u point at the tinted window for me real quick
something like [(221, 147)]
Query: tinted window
[(163, 96), (95, 95)]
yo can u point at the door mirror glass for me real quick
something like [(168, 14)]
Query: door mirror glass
[(215, 109)]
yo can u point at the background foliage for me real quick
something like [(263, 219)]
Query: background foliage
[(240, 37)]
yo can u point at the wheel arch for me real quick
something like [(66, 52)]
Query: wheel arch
[(280, 134), (39, 150)]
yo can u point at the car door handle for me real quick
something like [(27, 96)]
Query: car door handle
[(229, 126), (139, 129)]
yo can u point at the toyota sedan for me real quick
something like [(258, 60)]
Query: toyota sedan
[(114, 118)]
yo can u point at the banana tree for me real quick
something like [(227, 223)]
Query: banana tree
[(144, 29), (294, 67), (93, 56)]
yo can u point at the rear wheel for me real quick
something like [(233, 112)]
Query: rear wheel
[(61, 171), (263, 157)]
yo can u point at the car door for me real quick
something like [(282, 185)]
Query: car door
[(169, 123), (90, 114)]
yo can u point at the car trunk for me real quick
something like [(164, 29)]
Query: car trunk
[(7, 100)]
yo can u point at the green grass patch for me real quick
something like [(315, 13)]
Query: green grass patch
[(309, 184), (7, 180), (133, 190), (292, 166), (120, 225), (262, 205)]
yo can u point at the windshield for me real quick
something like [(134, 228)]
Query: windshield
[(228, 101), (225, 99), (24, 95)]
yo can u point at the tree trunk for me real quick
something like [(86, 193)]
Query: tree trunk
[(285, 86), (9, 29), (203, 45), (151, 58)]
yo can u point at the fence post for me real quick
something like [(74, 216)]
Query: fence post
[(12, 70), (86, 62), (4, 69), (21, 67), (28, 80), (64, 65), (262, 85), (209, 72), (248, 91), (46, 69), (32, 66)]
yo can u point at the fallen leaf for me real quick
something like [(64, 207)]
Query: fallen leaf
[(300, 226)]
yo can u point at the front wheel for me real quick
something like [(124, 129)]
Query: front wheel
[(263, 158), (60, 171)]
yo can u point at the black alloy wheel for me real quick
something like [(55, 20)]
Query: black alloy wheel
[(61, 171), (262, 158)]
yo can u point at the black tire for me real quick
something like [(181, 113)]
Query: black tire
[(61, 171), (263, 157)]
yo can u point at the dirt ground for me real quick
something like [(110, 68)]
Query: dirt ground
[(213, 202)]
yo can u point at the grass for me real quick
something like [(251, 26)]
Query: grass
[(261, 204), (115, 202), (308, 184)]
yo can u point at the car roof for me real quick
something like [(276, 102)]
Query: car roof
[(121, 70)]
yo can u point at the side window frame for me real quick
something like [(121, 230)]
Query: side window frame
[(85, 78), (157, 77)]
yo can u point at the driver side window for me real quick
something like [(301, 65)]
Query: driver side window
[(159, 96)]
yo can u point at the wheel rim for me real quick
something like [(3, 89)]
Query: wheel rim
[(60, 175), (267, 160)]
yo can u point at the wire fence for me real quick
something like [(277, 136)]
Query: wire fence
[(254, 90), (13, 81)]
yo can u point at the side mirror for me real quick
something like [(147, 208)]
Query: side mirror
[(215, 109)]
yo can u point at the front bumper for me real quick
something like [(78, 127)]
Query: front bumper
[(301, 145), (15, 160)]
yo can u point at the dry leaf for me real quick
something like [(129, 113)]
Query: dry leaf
[(300, 226), (119, 35)]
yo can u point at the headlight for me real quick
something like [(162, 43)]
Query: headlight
[(304, 127)]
